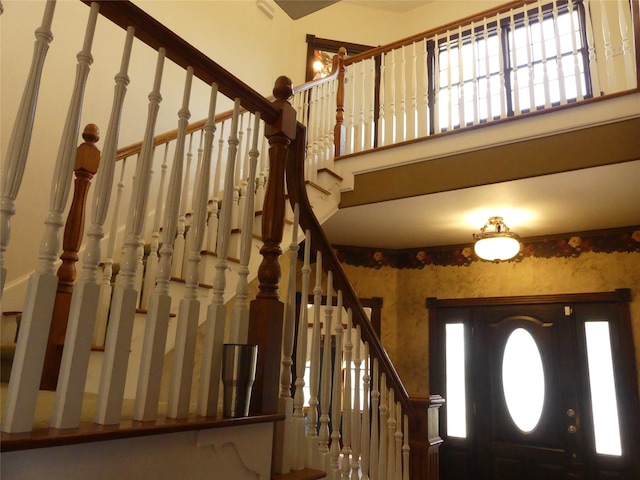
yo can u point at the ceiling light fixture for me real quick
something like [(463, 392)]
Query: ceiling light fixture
[(497, 245)]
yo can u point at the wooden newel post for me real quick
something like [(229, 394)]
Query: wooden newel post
[(340, 131), (424, 438), (87, 160), (266, 311)]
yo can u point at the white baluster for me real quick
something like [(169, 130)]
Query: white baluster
[(20, 402), (425, 96), (576, 57), (336, 394), (437, 115), (370, 135), (503, 98), (20, 140), (355, 412), (474, 75), (189, 217), (123, 305), (155, 332), (179, 242), (391, 430), (545, 67), (151, 269), (325, 374), (624, 20), (392, 99), (104, 301), (398, 438), (314, 371), (189, 310), (261, 184), (406, 450), (531, 84), (461, 78), (330, 124), (449, 94), (212, 232), (593, 59), (362, 127), (382, 129), (351, 140), (240, 314), (382, 449), (487, 53), (414, 91), (289, 319), (365, 444), (298, 462), (403, 95), (514, 62), (561, 75), (612, 78), (375, 434), (86, 292), (347, 404), (216, 313)]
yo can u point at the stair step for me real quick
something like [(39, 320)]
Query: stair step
[(306, 474)]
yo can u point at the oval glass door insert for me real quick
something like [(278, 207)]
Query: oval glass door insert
[(523, 380)]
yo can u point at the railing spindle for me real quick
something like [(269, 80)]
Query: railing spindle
[(123, 305), (325, 373), (189, 310), (298, 462), (336, 394), (16, 158), (365, 444), (21, 396), (179, 242), (104, 301), (314, 370), (348, 411), (151, 268), (217, 311), (86, 292), (374, 465), (355, 410)]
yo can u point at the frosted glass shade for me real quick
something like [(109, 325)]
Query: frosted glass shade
[(498, 247)]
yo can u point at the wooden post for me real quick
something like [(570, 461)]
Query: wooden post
[(266, 314), (87, 159), (339, 131), (424, 438)]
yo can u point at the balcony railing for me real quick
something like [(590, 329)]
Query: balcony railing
[(523, 58)]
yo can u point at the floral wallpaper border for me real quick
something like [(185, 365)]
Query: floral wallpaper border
[(560, 246)]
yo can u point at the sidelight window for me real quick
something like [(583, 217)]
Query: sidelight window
[(604, 403), (455, 378)]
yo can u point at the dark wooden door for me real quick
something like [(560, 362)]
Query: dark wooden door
[(526, 391), (543, 342)]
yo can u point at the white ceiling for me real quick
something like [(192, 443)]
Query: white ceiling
[(582, 200)]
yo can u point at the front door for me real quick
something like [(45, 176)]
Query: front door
[(526, 388), (535, 388)]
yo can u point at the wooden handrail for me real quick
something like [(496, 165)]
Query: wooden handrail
[(153, 33), (298, 194)]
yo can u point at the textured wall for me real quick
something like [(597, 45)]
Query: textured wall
[(404, 315)]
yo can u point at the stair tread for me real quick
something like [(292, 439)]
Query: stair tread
[(305, 474)]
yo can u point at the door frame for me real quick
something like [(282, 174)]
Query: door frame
[(623, 352)]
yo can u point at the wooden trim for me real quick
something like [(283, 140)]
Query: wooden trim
[(92, 432), (619, 295)]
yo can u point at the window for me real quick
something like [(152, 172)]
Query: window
[(513, 64)]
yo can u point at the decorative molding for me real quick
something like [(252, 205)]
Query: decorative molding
[(570, 245)]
